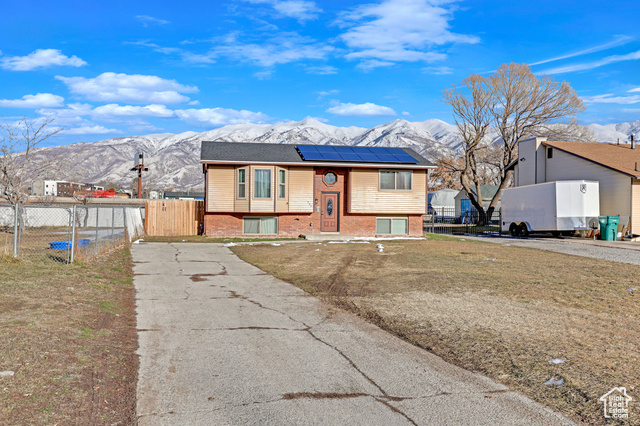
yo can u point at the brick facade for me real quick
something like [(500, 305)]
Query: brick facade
[(291, 225)]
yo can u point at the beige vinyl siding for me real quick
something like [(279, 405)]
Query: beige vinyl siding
[(365, 197), (635, 207), (220, 196), (615, 187), (282, 204), (242, 204), (300, 188)]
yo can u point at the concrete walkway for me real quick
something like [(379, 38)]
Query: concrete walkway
[(223, 343)]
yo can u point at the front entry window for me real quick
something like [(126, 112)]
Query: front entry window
[(330, 178), (329, 207)]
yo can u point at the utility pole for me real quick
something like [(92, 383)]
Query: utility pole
[(138, 162)]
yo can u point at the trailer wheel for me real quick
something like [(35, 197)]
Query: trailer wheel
[(514, 229), (524, 231)]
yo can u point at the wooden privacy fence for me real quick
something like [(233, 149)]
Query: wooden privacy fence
[(170, 218)]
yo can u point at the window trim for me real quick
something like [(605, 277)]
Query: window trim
[(395, 180), (324, 177), (391, 218), (283, 184), (255, 174), (238, 183), (260, 218)]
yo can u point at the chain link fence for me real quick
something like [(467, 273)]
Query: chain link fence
[(452, 221), (62, 233)]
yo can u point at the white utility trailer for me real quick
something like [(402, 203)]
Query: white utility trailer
[(560, 207)]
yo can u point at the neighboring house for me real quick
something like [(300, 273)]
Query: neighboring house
[(615, 167), (463, 203), (292, 190)]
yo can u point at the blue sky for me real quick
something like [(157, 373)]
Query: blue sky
[(106, 69)]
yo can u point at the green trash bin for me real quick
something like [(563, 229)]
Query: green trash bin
[(608, 227), (613, 226)]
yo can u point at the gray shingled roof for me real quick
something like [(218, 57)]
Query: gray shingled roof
[(245, 152)]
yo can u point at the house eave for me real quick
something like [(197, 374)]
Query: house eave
[(324, 164)]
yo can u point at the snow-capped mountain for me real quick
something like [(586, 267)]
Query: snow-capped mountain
[(615, 132), (173, 159)]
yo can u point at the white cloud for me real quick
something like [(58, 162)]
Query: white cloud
[(136, 88), (595, 64), (215, 117), (327, 92), (298, 9), (367, 109), (438, 70), (322, 70), (619, 40), (281, 48), (610, 98), (637, 89), (147, 20), (39, 100), (302, 10), (115, 110), (90, 130), (399, 30), (406, 113), (41, 58)]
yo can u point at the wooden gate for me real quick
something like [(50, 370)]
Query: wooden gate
[(170, 218)]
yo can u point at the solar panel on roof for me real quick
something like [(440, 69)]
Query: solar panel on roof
[(360, 154)]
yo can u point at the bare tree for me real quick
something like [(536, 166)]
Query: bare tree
[(472, 107), (515, 104), (18, 141)]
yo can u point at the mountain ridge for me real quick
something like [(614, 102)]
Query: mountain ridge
[(173, 159)]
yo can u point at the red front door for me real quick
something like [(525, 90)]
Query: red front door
[(330, 212)]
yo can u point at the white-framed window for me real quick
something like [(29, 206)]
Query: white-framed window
[(262, 183), (282, 184), (396, 180), (392, 226), (260, 225), (242, 183)]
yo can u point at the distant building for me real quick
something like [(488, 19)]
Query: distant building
[(61, 188), (182, 195)]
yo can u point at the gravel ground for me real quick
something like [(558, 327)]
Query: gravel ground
[(627, 252)]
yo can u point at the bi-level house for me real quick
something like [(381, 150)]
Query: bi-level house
[(283, 190)]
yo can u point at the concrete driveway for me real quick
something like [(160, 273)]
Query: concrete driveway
[(223, 343)]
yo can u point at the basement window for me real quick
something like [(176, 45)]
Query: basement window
[(392, 226), (260, 225)]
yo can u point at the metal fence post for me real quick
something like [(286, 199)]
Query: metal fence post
[(113, 223), (97, 219), (73, 234), (124, 221), (15, 230)]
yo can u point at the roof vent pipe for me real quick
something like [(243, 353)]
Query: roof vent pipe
[(633, 142)]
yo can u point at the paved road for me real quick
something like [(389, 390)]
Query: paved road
[(614, 251), (223, 343)]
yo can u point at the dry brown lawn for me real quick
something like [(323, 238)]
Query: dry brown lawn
[(501, 311), (68, 333)]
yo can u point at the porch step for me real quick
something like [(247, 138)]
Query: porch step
[(327, 237)]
